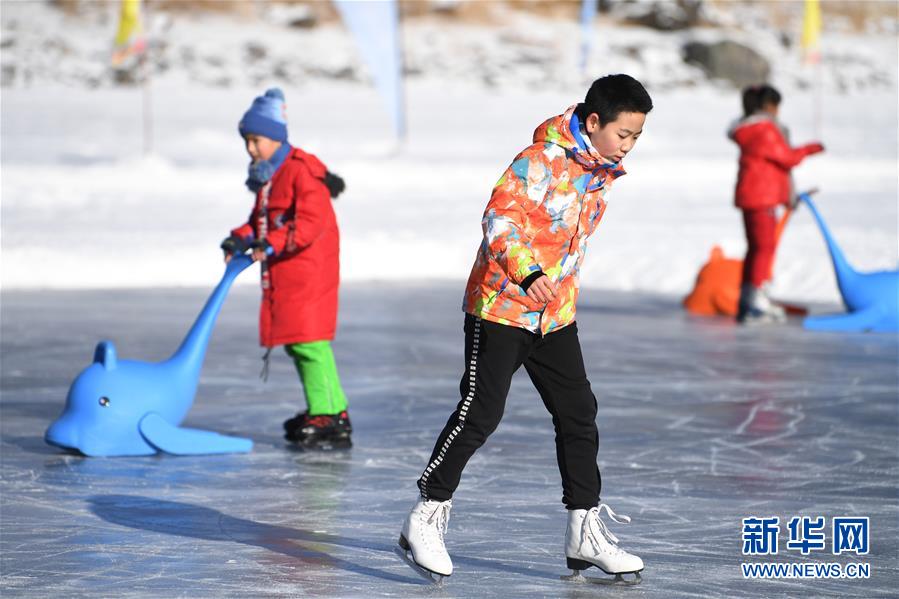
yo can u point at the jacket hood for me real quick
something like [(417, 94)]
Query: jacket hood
[(315, 166), (564, 130), (755, 119)]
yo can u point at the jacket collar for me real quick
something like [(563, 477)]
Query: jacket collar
[(566, 131)]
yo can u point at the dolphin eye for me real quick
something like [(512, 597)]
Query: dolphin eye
[(104, 401)]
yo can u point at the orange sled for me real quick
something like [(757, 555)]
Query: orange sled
[(717, 288)]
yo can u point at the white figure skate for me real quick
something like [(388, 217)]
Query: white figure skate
[(422, 535), (588, 542), (755, 307)]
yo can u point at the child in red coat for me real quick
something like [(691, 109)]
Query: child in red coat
[(292, 232), (763, 183)]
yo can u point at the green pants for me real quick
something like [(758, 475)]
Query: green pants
[(318, 374)]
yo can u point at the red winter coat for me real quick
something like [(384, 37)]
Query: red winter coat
[(766, 159), (299, 301)]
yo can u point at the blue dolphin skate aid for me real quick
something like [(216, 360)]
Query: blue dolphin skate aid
[(127, 408), (872, 299)]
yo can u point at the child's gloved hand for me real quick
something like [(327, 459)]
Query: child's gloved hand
[(814, 148), (233, 245), (262, 249)]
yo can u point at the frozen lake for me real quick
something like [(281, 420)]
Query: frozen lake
[(701, 424)]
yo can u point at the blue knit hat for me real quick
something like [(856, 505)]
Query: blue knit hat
[(266, 117)]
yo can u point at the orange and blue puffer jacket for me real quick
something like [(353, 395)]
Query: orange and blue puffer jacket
[(543, 208)]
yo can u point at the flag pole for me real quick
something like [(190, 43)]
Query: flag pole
[(819, 101), (146, 95), (588, 13), (810, 42), (131, 53)]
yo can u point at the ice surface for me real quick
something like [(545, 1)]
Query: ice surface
[(701, 424)]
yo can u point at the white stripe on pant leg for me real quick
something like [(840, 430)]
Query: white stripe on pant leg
[(472, 368)]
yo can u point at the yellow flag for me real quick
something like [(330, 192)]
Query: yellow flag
[(811, 31), (129, 39)]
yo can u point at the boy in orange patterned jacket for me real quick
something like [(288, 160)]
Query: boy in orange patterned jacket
[(520, 310)]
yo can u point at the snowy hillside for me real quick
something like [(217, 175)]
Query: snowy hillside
[(83, 207)]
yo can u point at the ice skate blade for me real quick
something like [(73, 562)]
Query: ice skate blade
[(619, 580), (334, 445), (760, 321), (405, 552)]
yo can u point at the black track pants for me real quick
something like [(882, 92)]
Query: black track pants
[(493, 352)]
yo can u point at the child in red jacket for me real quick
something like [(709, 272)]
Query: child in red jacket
[(763, 183), (292, 232)]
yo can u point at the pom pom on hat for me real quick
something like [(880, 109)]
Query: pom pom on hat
[(266, 117), (274, 92)]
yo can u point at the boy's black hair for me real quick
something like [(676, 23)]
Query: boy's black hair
[(757, 96), (611, 95)]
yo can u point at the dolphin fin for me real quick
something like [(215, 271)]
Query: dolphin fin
[(105, 354), (862, 320), (188, 441)]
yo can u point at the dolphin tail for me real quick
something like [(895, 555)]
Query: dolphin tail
[(188, 441), (871, 319)]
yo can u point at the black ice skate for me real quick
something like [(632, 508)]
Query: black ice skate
[(292, 423), (320, 432)]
